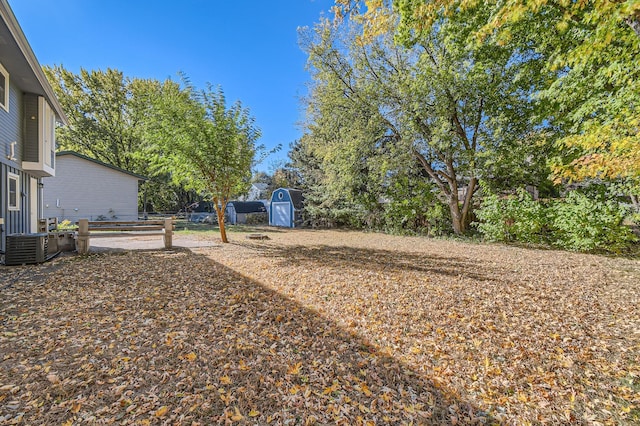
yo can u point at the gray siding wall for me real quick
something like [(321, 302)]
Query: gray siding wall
[(11, 126), (11, 130), (82, 189), (15, 221), (31, 128)]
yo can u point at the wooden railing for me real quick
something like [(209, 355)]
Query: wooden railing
[(94, 229)]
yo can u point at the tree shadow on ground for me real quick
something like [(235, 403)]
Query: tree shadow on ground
[(172, 337), (379, 260)]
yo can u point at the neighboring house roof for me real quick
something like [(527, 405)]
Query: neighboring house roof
[(260, 186), (20, 61), (93, 160), (248, 206)]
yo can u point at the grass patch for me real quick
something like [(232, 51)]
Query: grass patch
[(189, 228)]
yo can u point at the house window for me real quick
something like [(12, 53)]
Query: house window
[(4, 88), (14, 191)]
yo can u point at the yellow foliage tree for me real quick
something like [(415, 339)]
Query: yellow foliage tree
[(593, 46)]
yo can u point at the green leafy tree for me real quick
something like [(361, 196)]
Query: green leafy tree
[(590, 222), (108, 119), (205, 144), (325, 206), (412, 207), (453, 107), (593, 47), (261, 177), (106, 114)]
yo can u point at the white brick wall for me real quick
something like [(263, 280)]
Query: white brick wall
[(83, 189)]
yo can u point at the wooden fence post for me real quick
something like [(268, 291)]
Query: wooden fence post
[(168, 233), (83, 236)]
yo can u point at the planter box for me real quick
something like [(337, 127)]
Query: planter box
[(62, 241)]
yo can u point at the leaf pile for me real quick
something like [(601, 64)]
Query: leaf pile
[(527, 336), (323, 327), (172, 337)]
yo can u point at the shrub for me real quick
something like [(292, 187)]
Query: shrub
[(411, 207), (587, 223), (65, 225), (416, 216), (257, 219), (514, 218)]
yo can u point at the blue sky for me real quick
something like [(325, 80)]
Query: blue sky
[(250, 48)]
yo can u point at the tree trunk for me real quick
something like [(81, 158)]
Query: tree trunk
[(449, 187), (467, 206), (634, 23), (636, 203), (457, 220), (461, 215), (220, 214)]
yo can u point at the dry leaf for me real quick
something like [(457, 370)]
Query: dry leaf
[(456, 331), (365, 389), (53, 378), (191, 356), (162, 411), (294, 369), (236, 417)]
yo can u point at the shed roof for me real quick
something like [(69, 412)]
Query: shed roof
[(248, 206), (296, 198), (93, 160)]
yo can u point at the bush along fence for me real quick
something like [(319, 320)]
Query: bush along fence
[(577, 222)]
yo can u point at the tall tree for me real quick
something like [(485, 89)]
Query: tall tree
[(330, 196), (595, 48), (206, 144), (106, 114), (448, 105), (108, 117)]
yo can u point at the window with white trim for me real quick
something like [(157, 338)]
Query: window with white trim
[(13, 191), (4, 88)]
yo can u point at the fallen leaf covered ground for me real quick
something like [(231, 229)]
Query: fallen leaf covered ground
[(322, 327)]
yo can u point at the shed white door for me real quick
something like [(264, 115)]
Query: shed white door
[(281, 214)]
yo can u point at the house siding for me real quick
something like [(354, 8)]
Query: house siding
[(31, 141), (15, 221), (11, 130), (86, 190), (11, 127), (25, 76)]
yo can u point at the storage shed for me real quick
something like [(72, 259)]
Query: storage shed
[(240, 211), (286, 207)]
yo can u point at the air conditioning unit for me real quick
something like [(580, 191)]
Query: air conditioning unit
[(26, 248)]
